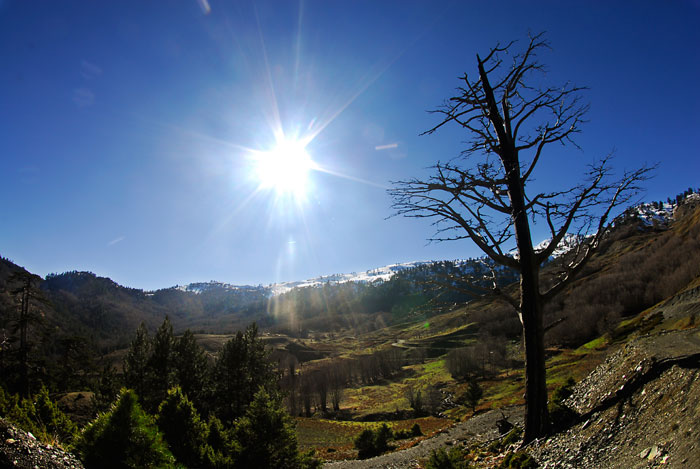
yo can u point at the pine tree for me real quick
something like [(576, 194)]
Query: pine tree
[(192, 370), (241, 368), (183, 429), (136, 361), (123, 437), (161, 367), (267, 437), (473, 395)]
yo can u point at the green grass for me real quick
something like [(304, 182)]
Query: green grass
[(335, 439), (598, 343)]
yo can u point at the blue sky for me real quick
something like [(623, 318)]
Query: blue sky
[(126, 128)]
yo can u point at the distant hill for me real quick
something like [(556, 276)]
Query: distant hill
[(84, 304), (107, 313)]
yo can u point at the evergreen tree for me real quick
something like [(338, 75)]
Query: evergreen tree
[(220, 446), (241, 368), (107, 388), (161, 367), (123, 437), (16, 371), (136, 361), (473, 395), (183, 429), (192, 370), (365, 444), (267, 437)]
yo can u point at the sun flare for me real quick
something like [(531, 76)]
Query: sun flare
[(285, 168)]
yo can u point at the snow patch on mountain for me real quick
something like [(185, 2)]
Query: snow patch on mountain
[(202, 287), (374, 275), (655, 214)]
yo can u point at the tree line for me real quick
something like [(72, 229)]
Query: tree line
[(175, 405)]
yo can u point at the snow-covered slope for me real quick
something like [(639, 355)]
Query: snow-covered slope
[(201, 287), (373, 275)]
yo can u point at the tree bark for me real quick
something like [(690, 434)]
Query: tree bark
[(537, 423)]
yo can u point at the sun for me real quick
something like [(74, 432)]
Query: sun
[(285, 168)]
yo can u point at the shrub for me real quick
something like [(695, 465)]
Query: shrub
[(125, 436), (518, 460), (382, 437), (370, 443), (7, 402), (564, 391), (40, 416), (365, 444), (441, 459), (512, 437), (561, 415), (415, 430)]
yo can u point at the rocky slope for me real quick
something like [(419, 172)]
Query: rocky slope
[(21, 450), (639, 409)]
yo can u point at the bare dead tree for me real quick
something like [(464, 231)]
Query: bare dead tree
[(482, 194)]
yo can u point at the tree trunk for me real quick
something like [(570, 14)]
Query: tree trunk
[(536, 414), (23, 345)]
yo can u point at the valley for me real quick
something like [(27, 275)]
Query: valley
[(357, 369)]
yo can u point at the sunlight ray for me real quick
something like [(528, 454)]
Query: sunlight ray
[(276, 124), (351, 178)]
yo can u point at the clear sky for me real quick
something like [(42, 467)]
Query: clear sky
[(132, 132)]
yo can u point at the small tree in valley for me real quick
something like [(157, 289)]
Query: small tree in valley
[(473, 394)]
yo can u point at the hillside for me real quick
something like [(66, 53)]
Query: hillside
[(636, 401), (98, 308)]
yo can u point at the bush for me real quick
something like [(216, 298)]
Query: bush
[(563, 392), (441, 459), (511, 438), (365, 444), (518, 460), (381, 439), (370, 443), (125, 436), (40, 416), (561, 415), (415, 430)]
